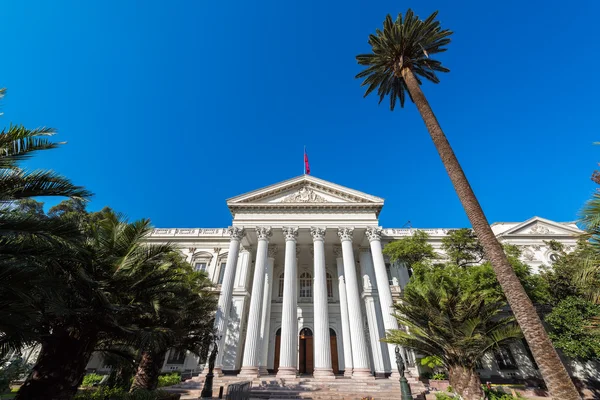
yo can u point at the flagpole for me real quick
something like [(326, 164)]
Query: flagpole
[(303, 159)]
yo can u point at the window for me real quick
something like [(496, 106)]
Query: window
[(176, 356), (200, 266), (221, 273), (504, 358), (529, 353), (329, 286), (281, 285), (388, 270), (305, 285)]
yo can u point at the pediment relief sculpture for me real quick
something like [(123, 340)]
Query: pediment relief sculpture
[(304, 195), (539, 230)]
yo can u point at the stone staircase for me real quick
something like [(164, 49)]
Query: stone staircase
[(308, 388)]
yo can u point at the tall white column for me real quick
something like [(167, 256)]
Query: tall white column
[(383, 285), (321, 308), (288, 355), (346, 340), (360, 355), (224, 304), (252, 347), (266, 312), (381, 364)]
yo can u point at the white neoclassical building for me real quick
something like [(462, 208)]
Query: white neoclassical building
[(305, 288)]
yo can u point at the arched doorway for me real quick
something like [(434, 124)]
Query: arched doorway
[(334, 353), (306, 363), (277, 348)]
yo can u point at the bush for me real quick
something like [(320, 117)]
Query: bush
[(444, 396), (169, 380), (492, 394), (104, 393), (91, 380), (439, 376)]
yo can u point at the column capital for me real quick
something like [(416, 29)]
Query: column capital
[(345, 233), (374, 233), (263, 232), (337, 250), (272, 251), (290, 233), (317, 233), (236, 232)]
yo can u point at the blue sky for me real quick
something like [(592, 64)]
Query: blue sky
[(169, 108)]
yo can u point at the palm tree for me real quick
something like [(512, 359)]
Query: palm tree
[(458, 327), (181, 319), (400, 58), (104, 287)]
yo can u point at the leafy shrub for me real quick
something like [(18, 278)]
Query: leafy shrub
[(492, 394), (104, 393), (444, 396), (91, 380), (101, 393), (169, 380), (439, 376)]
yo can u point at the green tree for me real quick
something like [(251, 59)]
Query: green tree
[(181, 320), (401, 56), (411, 250), (115, 277), (462, 247), (571, 321), (30, 244), (447, 319)]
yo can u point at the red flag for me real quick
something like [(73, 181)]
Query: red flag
[(306, 164)]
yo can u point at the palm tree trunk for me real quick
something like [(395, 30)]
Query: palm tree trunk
[(60, 367), (552, 369), (465, 382), (148, 371)]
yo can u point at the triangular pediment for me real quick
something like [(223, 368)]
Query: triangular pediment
[(537, 226), (304, 190)]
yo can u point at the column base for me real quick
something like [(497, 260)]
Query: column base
[(262, 370), (361, 373), (348, 372), (287, 372), (249, 372), (323, 374)]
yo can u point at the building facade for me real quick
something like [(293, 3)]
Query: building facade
[(305, 288)]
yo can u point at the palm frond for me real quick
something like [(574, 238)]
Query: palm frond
[(406, 43)]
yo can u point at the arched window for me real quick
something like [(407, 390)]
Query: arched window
[(329, 286), (305, 285), (281, 285)]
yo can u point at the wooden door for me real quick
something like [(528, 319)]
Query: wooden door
[(310, 363), (334, 355), (277, 348)]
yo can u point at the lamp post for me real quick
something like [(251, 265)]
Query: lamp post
[(405, 393), (207, 389)]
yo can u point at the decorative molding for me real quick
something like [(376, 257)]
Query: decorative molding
[(536, 247), (236, 232), (374, 233), (337, 250), (317, 233), (290, 233), (192, 250), (263, 232), (539, 230), (345, 233), (304, 195), (272, 251), (528, 254)]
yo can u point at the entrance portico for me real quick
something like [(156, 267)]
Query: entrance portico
[(303, 234)]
